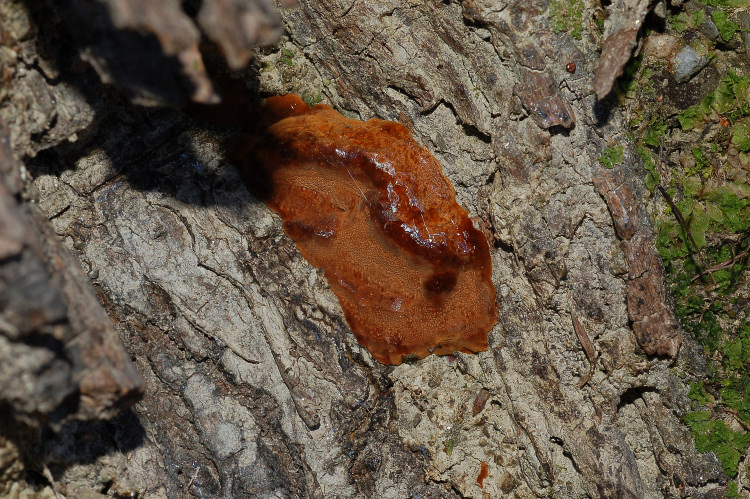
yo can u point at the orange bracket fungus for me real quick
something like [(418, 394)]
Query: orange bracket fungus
[(372, 207)]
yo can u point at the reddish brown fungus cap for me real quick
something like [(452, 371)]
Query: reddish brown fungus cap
[(372, 207)]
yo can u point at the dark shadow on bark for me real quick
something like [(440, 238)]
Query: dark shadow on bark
[(603, 109), (134, 59), (142, 143), (77, 442), (84, 442)]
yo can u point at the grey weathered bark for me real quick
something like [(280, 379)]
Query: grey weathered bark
[(255, 386), (61, 355)]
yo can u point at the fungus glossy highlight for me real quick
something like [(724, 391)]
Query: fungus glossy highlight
[(372, 207)]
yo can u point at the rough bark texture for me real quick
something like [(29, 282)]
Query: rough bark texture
[(255, 386), (61, 355)]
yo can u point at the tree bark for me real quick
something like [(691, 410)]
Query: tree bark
[(254, 383)]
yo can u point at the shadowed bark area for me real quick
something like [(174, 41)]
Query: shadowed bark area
[(254, 384)]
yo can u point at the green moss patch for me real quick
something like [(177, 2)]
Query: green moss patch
[(730, 99), (714, 436), (612, 156), (707, 253), (566, 16)]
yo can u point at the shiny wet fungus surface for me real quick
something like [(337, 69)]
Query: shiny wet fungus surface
[(372, 207)]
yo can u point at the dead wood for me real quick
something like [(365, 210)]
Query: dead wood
[(255, 386)]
